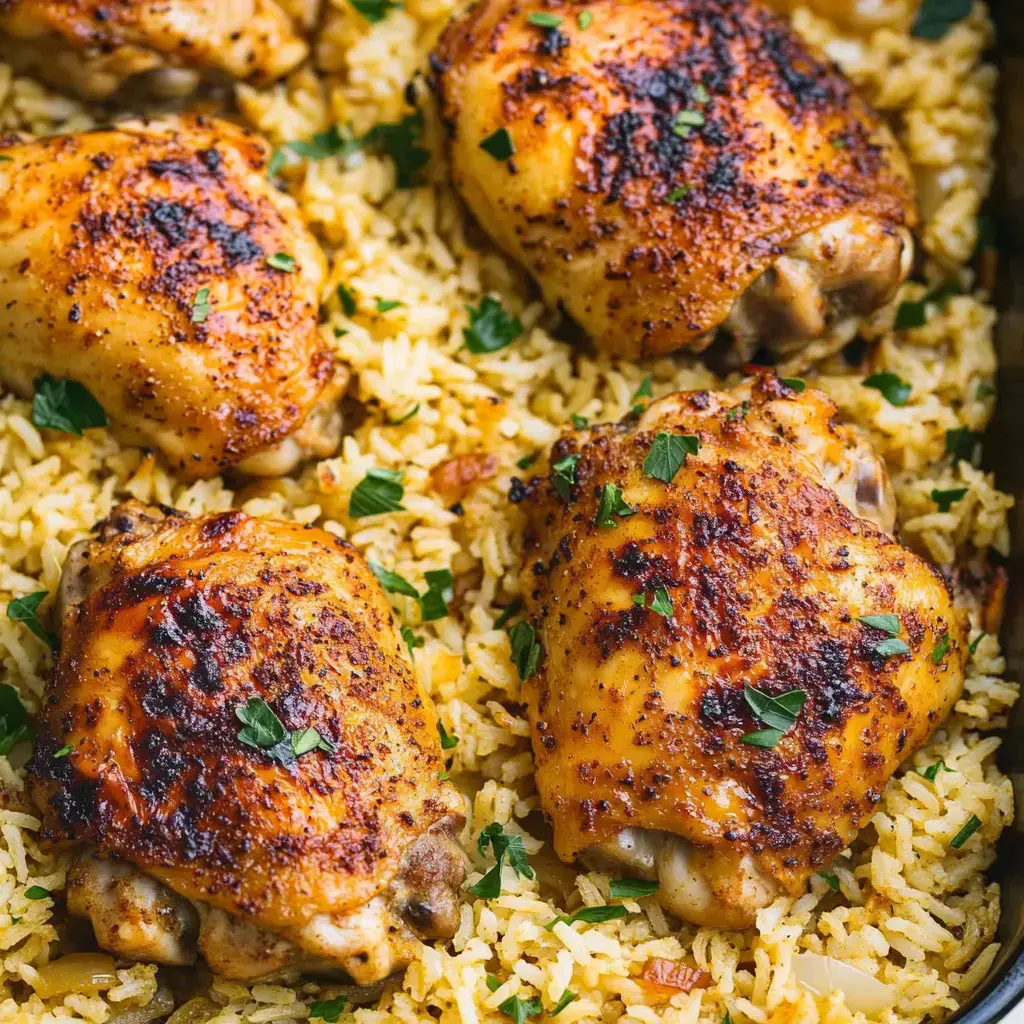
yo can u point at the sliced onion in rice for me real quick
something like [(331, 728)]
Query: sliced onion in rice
[(822, 975), (77, 972)]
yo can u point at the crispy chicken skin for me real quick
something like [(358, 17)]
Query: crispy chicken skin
[(94, 46), (778, 207), (638, 717), (108, 238), (190, 840)]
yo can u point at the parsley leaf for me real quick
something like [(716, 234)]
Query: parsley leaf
[(936, 17), (668, 452), (830, 880), (502, 844), (379, 491), (263, 730), (967, 829), (328, 1010), (434, 602), (201, 306), (887, 623), (685, 120), (579, 422), (612, 505), (518, 1010), (526, 649), (973, 645), (63, 752), (508, 614), (490, 327), (392, 582), (386, 305), (590, 915), (659, 601), (738, 412), (794, 384), (282, 261), (563, 476), (947, 499), (412, 641), (527, 461), (543, 19), (14, 723), (398, 140), (932, 771), (66, 405), (778, 713), (405, 416), (631, 888), (26, 610), (568, 995), (891, 647), (915, 314), (964, 445), (493, 983), (448, 741), (347, 300), (894, 389), (583, 19), (644, 391), (679, 192), (940, 649), (37, 892), (335, 141), (374, 10), (499, 144)]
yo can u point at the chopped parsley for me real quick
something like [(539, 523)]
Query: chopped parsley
[(679, 192), (65, 405), (659, 601), (347, 300), (405, 416), (374, 10), (526, 649), (398, 141), (14, 724), (891, 647), (527, 461), (915, 314), (794, 384), (631, 888), (448, 741), (894, 389), (590, 915), (37, 892), (778, 713), (434, 602), (508, 614), (964, 445), (932, 771), (936, 17), (644, 391), (738, 412), (412, 641), (282, 261), (887, 623), (263, 730), (668, 452), (63, 752), (26, 611), (386, 305), (612, 505), (493, 983), (201, 306), (579, 422), (499, 144), (940, 649), (518, 1010), (686, 120), (392, 582), (328, 1010), (947, 499), (830, 880), (490, 327), (544, 19), (563, 476), (967, 829), (568, 995), (335, 141), (973, 645), (380, 491), (701, 94), (583, 19), (502, 844)]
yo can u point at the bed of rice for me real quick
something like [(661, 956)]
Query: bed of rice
[(910, 910)]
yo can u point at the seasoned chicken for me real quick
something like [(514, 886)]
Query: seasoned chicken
[(666, 168), (155, 264), (96, 46), (238, 752), (733, 662)]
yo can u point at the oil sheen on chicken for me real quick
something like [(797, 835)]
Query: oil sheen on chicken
[(749, 575), (669, 167), (192, 836), (94, 46), (135, 261)]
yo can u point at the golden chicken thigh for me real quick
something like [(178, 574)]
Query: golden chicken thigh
[(733, 662), (665, 168), (235, 744), (155, 264), (95, 46)]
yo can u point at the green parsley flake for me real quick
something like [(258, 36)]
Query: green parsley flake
[(282, 261), (583, 19), (374, 10), (493, 983), (947, 499), (201, 306), (910, 315), (668, 452), (386, 305), (14, 723), (508, 614), (518, 1010), (526, 649), (631, 888), (544, 19), (328, 1010), (405, 416), (940, 649), (680, 192), (894, 389), (37, 892), (412, 641), (563, 476), (936, 17), (579, 422), (778, 713), (891, 647), (964, 445), (502, 844), (448, 741), (398, 141), (887, 623), (830, 880), (380, 491), (264, 731), (612, 505), (590, 915), (564, 1000), (973, 645), (499, 144), (659, 601), (392, 582), (644, 391), (794, 384), (490, 327), (700, 94), (686, 120), (63, 752), (26, 611), (969, 827), (434, 602), (526, 461), (65, 405), (932, 771), (347, 300)]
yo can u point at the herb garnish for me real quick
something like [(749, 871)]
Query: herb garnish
[(448, 740), (518, 1010), (490, 327), (63, 752), (568, 995), (583, 19), (527, 461), (398, 140), (405, 416), (936, 17), (612, 505), (631, 888), (386, 305), (894, 389), (37, 892), (347, 300), (887, 623), (685, 120), (967, 829), (499, 144), (526, 649), (412, 641), (379, 491), (66, 405), (659, 601), (434, 602), (679, 192), (830, 880), (668, 452), (282, 261), (964, 445), (738, 412), (201, 306), (544, 19), (26, 610), (14, 724), (940, 649), (915, 314), (794, 384), (778, 713), (263, 730), (374, 10), (579, 422), (328, 1010), (947, 499), (590, 915), (563, 476), (392, 582), (932, 771), (502, 844), (508, 614), (973, 645)]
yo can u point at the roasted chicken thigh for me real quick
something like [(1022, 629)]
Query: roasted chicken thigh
[(735, 657), (238, 751), (665, 168), (95, 46), (156, 265)]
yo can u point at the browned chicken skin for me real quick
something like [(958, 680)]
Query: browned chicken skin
[(678, 166), (95, 46), (111, 238), (192, 839), (639, 711)]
